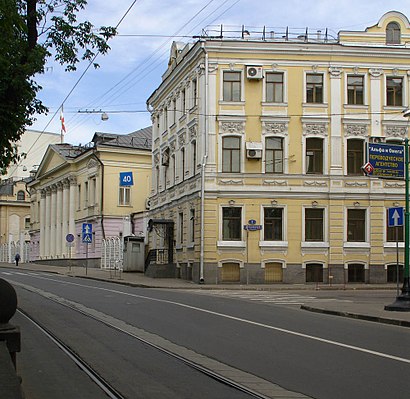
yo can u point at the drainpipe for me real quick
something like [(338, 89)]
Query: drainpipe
[(203, 166), (102, 192)]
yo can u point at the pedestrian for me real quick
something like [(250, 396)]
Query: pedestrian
[(17, 258)]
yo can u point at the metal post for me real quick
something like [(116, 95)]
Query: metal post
[(402, 303)]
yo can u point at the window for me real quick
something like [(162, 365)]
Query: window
[(314, 273), (356, 225), (192, 225), (355, 273), (86, 193), (124, 196), (165, 119), (394, 91), (314, 224), (232, 86), (391, 231), (21, 195), (274, 155), (231, 152), (194, 93), (79, 196), (355, 157), (314, 156), (273, 224), (273, 272), (230, 273), (180, 228), (193, 157), (355, 89), (231, 223), (183, 102), (27, 223), (183, 163), (174, 111), (174, 169), (274, 87), (314, 88), (392, 273), (393, 33)]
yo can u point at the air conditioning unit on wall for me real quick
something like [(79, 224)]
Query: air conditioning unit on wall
[(254, 72), (253, 150), (377, 139)]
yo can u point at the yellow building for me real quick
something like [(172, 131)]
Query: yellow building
[(102, 186), (258, 144)]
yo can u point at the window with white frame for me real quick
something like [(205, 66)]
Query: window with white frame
[(194, 93), (314, 224), (86, 194), (231, 223), (274, 87), (78, 196), (314, 88), (274, 155), (355, 89), (231, 86), (356, 225), (394, 91), (193, 157), (183, 102), (183, 163), (174, 169), (174, 111), (192, 225), (355, 156), (124, 198), (180, 228), (393, 33), (273, 224), (231, 154), (21, 195), (314, 155)]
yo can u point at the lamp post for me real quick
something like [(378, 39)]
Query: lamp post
[(402, 302)]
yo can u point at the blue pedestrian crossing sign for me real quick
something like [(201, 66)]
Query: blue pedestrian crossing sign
[(396, 217), (87, 233)]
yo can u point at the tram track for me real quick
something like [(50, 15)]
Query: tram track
[(111, 391)]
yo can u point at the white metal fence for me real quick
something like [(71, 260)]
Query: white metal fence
[(112, 252), (8, 251)]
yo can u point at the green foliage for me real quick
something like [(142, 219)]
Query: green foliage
[(31, 32)]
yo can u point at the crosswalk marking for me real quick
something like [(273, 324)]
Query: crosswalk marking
[(266, 296)]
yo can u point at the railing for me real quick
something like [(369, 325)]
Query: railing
[(9, 250), (112, 253), (157, 256)]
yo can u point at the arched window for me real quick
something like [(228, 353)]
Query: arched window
[(393, 33), (21, 195)]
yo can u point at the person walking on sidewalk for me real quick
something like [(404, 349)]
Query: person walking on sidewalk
[(17, 258)]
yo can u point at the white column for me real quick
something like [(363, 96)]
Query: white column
[(42, 222), (47, 223), (376, 94), (66, 204), (59, 214), (53, 220), (335, 121), (71, 215)]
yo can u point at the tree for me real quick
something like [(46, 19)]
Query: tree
[(32, 31)]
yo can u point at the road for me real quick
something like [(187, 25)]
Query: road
[(267, 342)]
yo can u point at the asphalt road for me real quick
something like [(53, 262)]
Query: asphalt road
[(321, 356)]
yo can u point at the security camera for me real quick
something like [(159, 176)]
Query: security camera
[(406, 113)]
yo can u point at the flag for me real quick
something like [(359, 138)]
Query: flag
[(63, 129)]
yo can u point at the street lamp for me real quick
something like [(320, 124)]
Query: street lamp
[(402, 302)]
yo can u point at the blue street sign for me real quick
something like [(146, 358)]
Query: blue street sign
[(69, 238), (87, 233), (387, 160), (396, 217), (126, 179)]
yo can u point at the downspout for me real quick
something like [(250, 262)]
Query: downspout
[(203, 166), (102, 192)]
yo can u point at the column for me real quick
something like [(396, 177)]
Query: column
[(42, 222), (47, 223), (66, 204), (71, 215), (59, 214), (53, 220), (335, 121), (375, 101)]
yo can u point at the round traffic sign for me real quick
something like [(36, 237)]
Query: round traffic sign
[(69, 237)]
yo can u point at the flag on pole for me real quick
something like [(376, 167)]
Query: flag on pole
[(63, 129)]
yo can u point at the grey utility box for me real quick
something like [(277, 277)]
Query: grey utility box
[(134, 254)]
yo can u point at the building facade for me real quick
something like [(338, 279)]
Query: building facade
[(258, 144), (77, 185)]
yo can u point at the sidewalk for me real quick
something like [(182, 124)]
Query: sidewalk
[(364, 307)]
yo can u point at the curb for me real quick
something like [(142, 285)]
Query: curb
[(358, 316)]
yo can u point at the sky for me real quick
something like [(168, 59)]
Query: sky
[(139, 54)]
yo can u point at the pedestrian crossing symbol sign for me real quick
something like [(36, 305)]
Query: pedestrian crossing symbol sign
[(87, 233)]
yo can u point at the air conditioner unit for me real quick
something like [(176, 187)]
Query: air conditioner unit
[(253, 150), (147, 204), (377, 139), (254, 72)]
